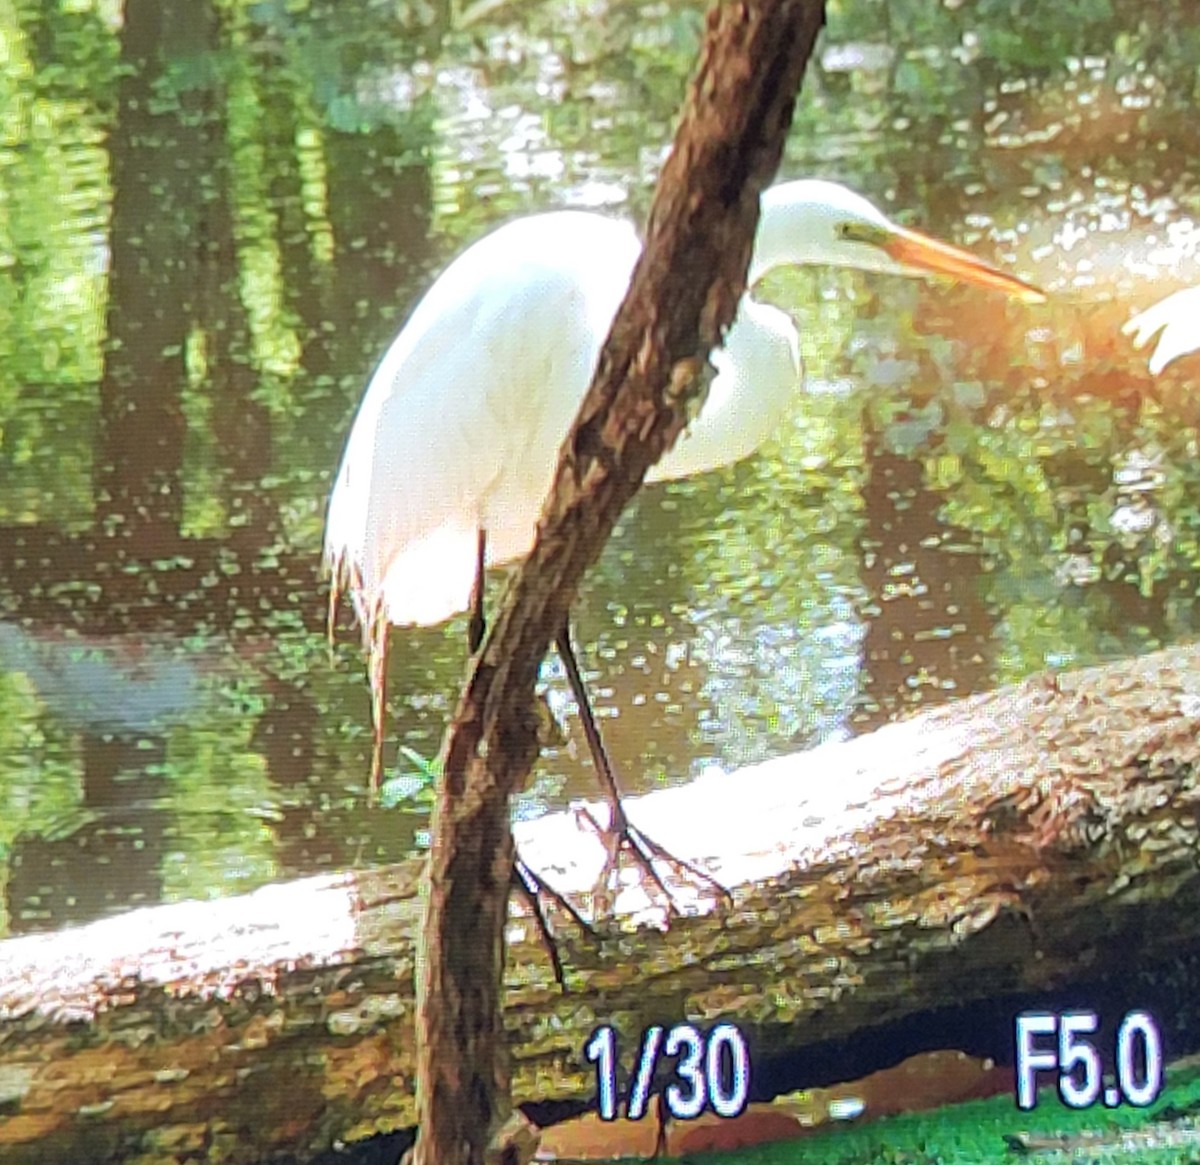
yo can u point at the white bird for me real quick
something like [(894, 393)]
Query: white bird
[(1176, 322), (454, 448)]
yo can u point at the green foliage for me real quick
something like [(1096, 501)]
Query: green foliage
[(975, 1134), (411, 783)]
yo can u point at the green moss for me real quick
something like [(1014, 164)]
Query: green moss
[(975, 1134)]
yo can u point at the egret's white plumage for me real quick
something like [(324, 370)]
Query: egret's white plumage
[(462, 422), (1176, 322), (455, 444)]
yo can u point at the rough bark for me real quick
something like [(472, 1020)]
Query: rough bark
[(683, 296), (1018, 842)]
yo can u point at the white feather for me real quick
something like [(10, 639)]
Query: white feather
[(1177, 318), (462, 422)]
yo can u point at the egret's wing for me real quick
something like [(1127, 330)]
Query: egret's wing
[(404, 511), (1177, 317), (462, 421)]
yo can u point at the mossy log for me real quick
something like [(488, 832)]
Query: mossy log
[(1011, 842)]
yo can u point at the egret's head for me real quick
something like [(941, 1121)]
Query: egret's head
[(819, 222)]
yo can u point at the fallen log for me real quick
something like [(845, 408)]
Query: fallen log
[(1012, 842)]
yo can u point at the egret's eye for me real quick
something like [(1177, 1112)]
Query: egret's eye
[(862, 232)]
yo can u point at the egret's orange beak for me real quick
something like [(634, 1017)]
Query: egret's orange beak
[(914, 249)]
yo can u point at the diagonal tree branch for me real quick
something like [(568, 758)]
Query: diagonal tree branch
[(683, 296)]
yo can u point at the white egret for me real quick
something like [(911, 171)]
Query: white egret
[(454, 446), (1175, 320)]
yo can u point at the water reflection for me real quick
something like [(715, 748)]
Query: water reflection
[(214, 224)]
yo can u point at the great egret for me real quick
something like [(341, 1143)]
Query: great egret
[(454, 446), (1176, 322)]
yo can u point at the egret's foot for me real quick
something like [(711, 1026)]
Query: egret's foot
[(533, 889), (622, 834)]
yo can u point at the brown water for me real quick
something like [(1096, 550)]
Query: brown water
[(212, 225)]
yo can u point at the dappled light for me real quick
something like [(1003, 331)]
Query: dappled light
[(969, 490)]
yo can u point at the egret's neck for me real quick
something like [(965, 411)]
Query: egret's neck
[(782, 239)]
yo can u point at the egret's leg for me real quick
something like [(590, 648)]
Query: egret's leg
[(620, 832), (477, 624), (526, 883), (378, 679)]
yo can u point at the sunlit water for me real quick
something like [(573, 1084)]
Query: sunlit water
[(971, 490)]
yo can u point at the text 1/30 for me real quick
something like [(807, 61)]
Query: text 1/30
[(1081, 1083), (713, 1071)]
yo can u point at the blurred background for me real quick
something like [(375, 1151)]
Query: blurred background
[(214, 216)]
